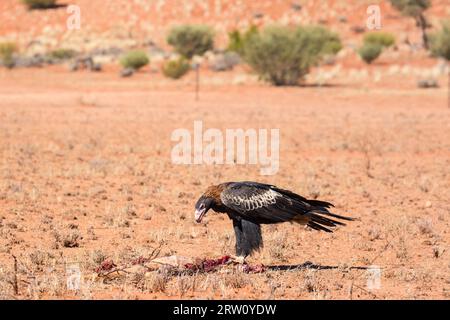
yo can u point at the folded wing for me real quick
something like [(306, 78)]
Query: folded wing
[(262, 203)]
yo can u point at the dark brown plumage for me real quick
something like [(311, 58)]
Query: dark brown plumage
[(250, 204)]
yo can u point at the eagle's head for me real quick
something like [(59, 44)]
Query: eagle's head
[(202, 206)]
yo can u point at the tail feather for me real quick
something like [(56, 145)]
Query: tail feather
[(325, 221), (318, 203), (330, 214), (318, 219), (313, 213), (317, 226)]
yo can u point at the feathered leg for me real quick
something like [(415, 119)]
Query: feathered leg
[(248, 237)]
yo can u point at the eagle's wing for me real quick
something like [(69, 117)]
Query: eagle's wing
[(262, 203)]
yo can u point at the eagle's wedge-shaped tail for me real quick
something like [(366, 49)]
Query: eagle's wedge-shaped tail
[(318, 218)]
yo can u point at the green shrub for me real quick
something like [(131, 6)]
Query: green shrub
[(415, 9), (39, 4), (63, 54), (135, 60), (384, 39), (440, 42), (175, 69), (320, 40), (412, 8), (284, 56), (236, 41), (7, 50), (369, 52), (191, 40)]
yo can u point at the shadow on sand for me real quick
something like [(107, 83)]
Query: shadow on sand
[(50, 7), (309, 265)]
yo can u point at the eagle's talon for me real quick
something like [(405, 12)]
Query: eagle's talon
[(239, 259)]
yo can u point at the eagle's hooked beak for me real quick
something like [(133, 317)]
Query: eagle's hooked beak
[(199, 214)]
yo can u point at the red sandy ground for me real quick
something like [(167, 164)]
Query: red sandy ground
[(91, 152)]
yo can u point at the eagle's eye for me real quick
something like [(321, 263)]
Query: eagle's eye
[(202, 205)]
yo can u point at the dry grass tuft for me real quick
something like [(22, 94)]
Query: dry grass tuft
[(425, 226), (438, 251), (278, 246), (6, 284), (40, 259), (374, 233), (157, 281), (186, 284), (67, 239), (235, 279)]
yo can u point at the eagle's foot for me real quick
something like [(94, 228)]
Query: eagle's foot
[(239, 259)]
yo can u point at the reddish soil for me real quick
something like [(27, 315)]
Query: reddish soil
[(86, 175), (90, 153)]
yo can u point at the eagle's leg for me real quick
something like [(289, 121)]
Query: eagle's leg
[(248, 238)]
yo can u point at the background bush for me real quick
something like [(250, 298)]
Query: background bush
[(63, 54), (383, 39), (237, 40), (175, 69), (135, 60), (191, 40), (7, 50), (39, 4), (319, 40), (440, 42), (415, 9), (369, 52), (283, 56)]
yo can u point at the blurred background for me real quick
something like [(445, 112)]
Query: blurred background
[(372, 42)]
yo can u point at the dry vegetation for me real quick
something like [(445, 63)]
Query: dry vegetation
[(85, 186)]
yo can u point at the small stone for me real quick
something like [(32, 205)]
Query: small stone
[(224, 62), (88, 62), (74, 66), (296, 6), (127, 72), (95, 67), (427, 83), (27, 62), (358, 29)]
